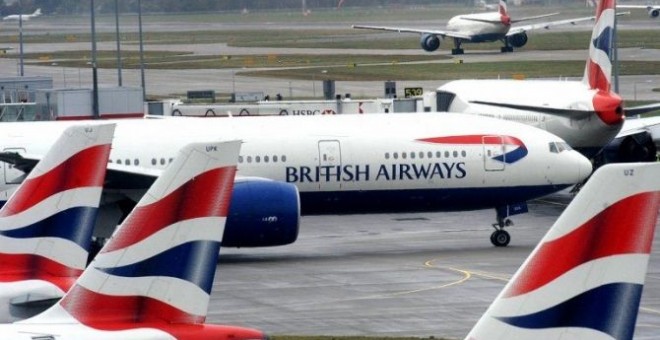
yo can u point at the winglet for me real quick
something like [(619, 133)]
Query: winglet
[(159, 266), (584, 280), (46, 225)]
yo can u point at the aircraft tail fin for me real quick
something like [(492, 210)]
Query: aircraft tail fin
[(37, 12), (584, 280), (46, 225), (598, 70), (158, 268), (504, 12)]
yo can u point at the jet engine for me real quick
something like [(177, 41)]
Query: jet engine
[(430, 42), (518, 40), (654, 12), (262, 213), (638, 147)]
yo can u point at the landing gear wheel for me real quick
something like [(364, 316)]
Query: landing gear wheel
[(500, 238), (506, 49)]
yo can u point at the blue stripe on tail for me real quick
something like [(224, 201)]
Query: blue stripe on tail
[(608, 308)]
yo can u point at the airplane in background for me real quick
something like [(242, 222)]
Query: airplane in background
[(587, 114), (654, 10), (46, 226), (478, 28), (584, 280), (23, 17), (414, 162), (153, 279)]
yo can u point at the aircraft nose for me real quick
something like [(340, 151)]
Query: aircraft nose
[(583, 166)]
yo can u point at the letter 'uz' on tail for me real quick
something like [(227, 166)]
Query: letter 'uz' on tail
[(157, 270), (584, 280), (46, 225)]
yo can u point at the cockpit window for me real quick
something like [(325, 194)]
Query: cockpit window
[(557, 147)]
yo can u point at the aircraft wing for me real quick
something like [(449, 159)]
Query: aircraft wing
[(638, 110), (513, 21), (577, 115), (24, 163), (637, 125), (451, 34), (117, 176), (520, 29), (129, 177)]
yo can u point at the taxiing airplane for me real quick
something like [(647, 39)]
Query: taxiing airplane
[(23, 17), (353, 163), (46, 226), (478, 28), (584, 280), (153, 279), (587, 114), (654, 10)]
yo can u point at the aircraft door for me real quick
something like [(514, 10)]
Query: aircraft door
[(329, 165), (494, 155)]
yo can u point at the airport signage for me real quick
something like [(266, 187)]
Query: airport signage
[(413, 92)]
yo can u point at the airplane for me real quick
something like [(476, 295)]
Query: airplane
[(351, 163), (23, 17), (153, 279), (654, 10), (587, 114), (46, 226), (478, 28), (584, 280)]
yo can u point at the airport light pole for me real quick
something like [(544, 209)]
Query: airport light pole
[(119, 82), (144, 91), (20, 36), (95, 81)]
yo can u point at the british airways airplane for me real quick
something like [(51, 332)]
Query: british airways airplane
[(352, 163), (478, 28), (584, 280), (153, 279), (587, 114), (46, 226)]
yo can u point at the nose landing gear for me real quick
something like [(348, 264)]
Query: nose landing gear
[(500, 237)]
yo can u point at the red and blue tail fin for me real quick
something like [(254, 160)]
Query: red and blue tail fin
[(598, 71), (46, 225), (158, 267), (585, 278), (504, 12)]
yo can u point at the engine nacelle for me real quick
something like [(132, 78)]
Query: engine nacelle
[(430, 42), (632, 148), (654, 12), (262, 213), (518, 40)]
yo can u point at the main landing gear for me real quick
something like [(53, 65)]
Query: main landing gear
[(500, 237), (457, 50)]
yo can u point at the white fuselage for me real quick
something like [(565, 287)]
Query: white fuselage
[(582, 129), (355, 161), (480, 31)]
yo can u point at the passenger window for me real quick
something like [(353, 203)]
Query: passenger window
[(136, 161), (154, 161), (283, 158), (387, 155), (275, 159), (240, 159)]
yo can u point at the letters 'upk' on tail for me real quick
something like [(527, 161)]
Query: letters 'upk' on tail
[(158, 268), (584, 280), (46, 225)]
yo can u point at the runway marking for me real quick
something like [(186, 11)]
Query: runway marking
[(544, 201), (493, 276), (649, 310)]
